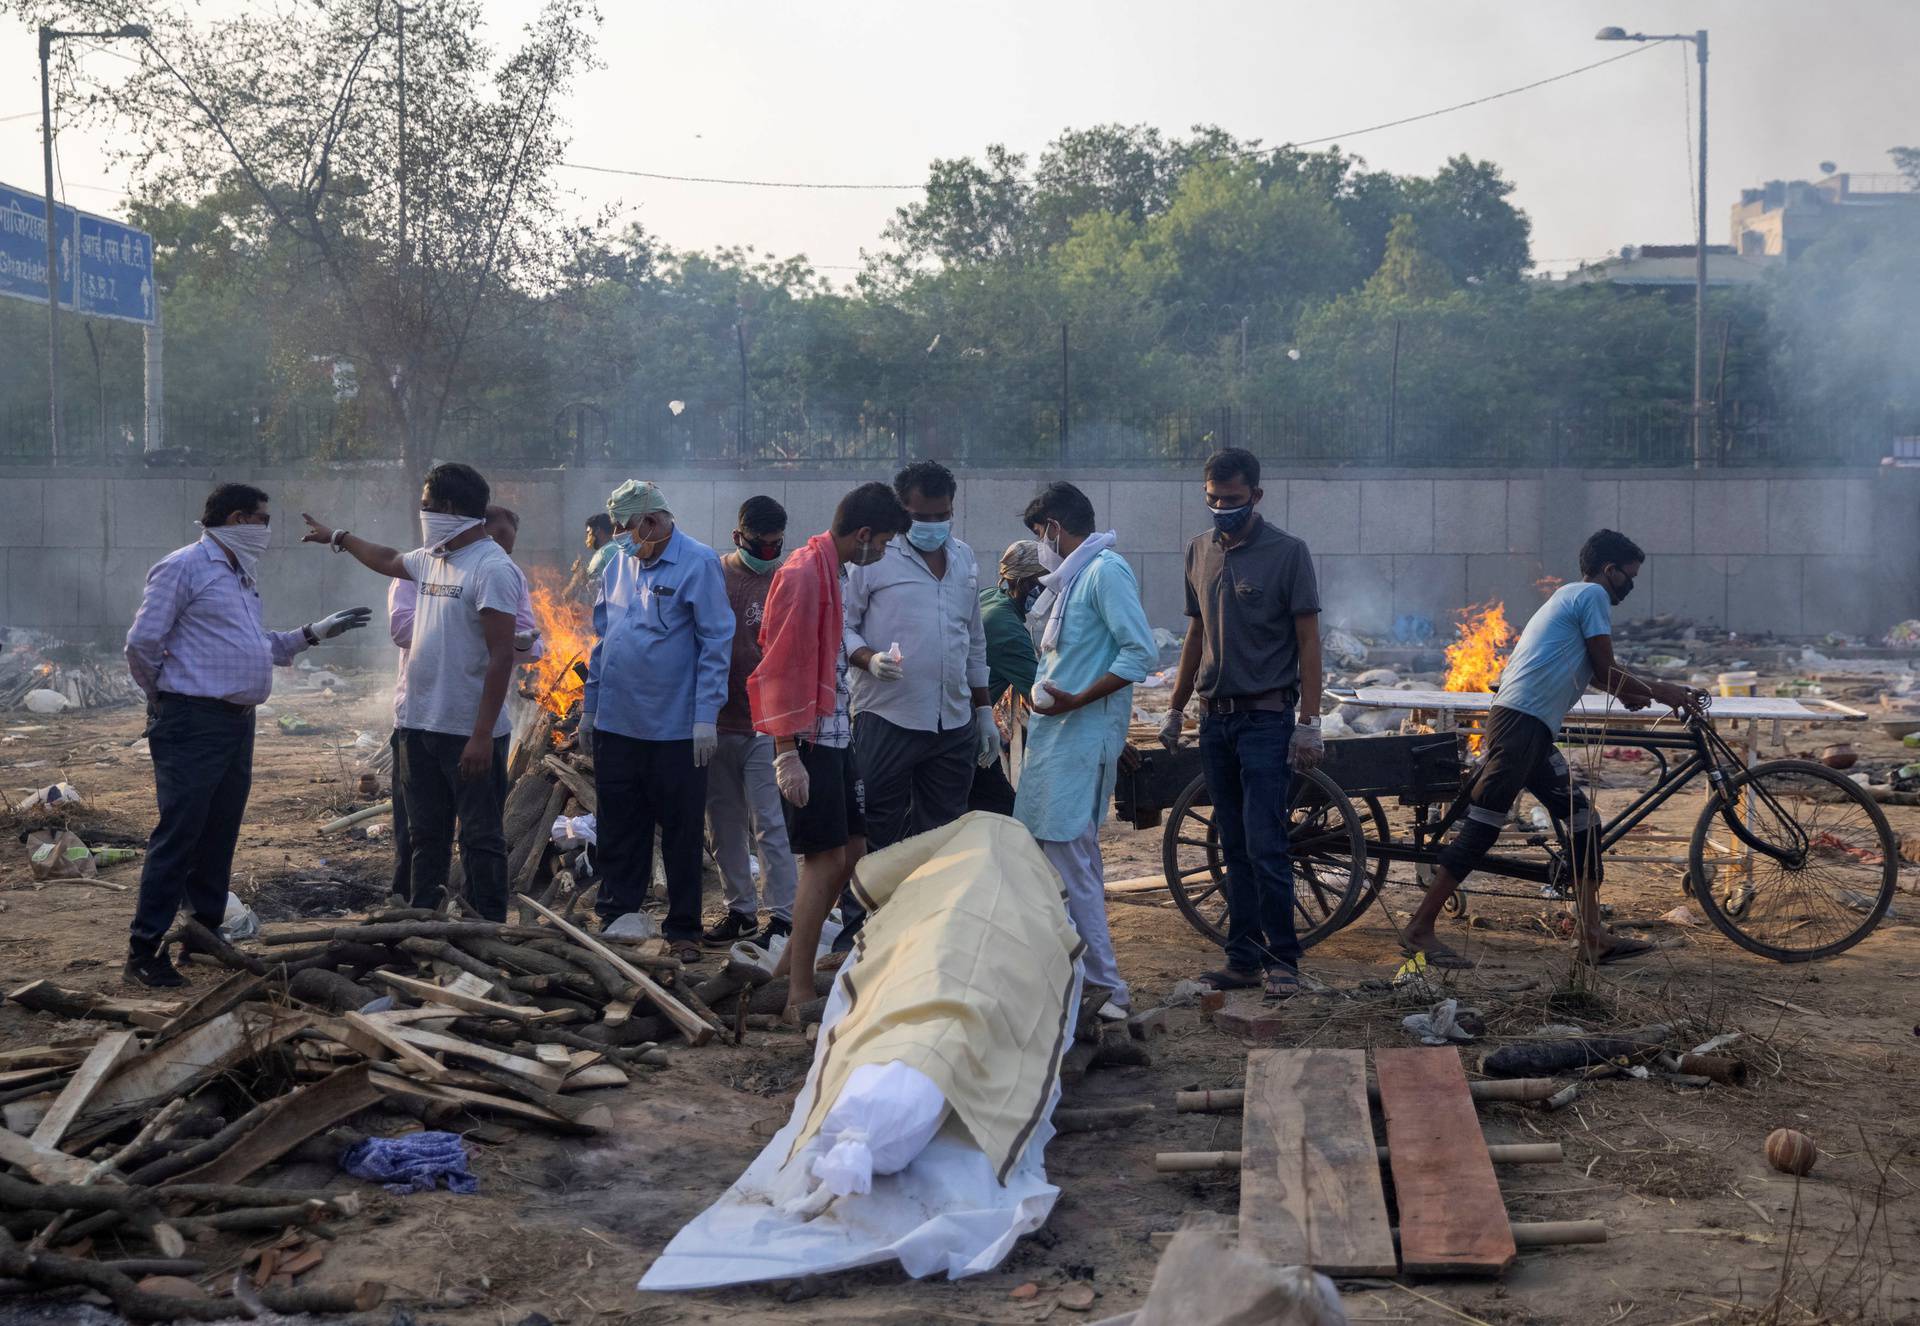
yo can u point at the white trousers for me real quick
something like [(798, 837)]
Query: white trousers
[(1079, 865), (741, 792)]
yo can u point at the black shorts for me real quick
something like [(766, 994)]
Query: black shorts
[(1521, 756), (836, 802)]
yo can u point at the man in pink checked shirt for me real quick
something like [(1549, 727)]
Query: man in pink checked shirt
[(203, 657), (503, 527)]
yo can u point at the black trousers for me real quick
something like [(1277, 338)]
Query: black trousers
[(915, 780), (402, 836), (991, 788), (202, 772), (437, 798), (642, 785)]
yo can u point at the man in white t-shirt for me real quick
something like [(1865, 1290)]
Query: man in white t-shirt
[(452, 758)]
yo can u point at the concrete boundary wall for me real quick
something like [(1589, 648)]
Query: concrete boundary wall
[(1794, 552)]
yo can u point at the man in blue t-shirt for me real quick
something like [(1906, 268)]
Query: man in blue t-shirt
[(1565, 646)]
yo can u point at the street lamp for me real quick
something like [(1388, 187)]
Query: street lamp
[(47, 37), (1699, 40)]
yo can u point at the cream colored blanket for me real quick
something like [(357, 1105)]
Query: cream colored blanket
[(964, 971)]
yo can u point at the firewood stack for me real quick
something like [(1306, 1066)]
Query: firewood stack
[(86, 682), (120, 1149)]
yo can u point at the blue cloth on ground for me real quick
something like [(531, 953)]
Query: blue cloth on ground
[(413, 1162)]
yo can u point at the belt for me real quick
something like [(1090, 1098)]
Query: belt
[(1277, 701), (207, 701)]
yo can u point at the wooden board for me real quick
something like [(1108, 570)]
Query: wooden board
[(377, 1041), (543, 1075), (448, 997), (109, 1053), (293, 1118), (202, 1054), (42, 1163), (1310, 1189), (695, 1028), (1452, 1217)]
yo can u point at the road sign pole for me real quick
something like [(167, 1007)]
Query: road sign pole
[(53, 269), (150, 339)]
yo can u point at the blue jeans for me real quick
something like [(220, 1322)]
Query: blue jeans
[(1244, 759)]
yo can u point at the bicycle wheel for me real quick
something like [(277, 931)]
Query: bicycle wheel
[(1378, 830), (1328, 849), (1837, 876)]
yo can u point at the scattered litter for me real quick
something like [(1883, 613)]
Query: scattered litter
[(378, 831), (1377, 677), (1718, 1043), (1165, 639), (1444, 1023), (1410, 628), (414, 1162), (63, 795), (1903, 635), (581, 830), (634, 925), (320, 679), (295, 726), (58, 854), (239, 922), (1685, 914), (1344, 647)]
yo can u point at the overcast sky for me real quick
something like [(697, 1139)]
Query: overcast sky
[(869, 92)]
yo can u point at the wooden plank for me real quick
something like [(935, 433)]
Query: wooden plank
[(240, 988), (576, 783), (44, 1056), (391, 1085), (600, 1075), (199, 1056), (695, 1028), (289, 1121), (451, 998), (430, 1018), (531, 1069), (1452, 1217), (42, 1163), (1310, 1189), (109, 1053), (27, 1077), (389, 1038)]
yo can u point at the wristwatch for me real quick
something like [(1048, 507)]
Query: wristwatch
[(312, 639), (1310, 722)]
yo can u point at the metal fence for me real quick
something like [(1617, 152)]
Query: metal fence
[(970, 433)]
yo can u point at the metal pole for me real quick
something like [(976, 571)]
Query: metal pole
[(152, 343), (1066, 396), (740, 337), (53, 267), (1393, 389), (1700, 275)]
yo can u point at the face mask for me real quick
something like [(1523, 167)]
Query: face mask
[(245, 542), (929, 535), (869, 554), (1024, 602), (1618, 596), (1231, 520), (1050, 552), (646, 549), (438, 529), (759, 565)]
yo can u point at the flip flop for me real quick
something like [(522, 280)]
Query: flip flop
[(1624, 949), (1228, 979), (1439, 955)]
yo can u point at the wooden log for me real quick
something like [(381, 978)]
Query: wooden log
[(386, 933), (377, 1040), (1538, 1058), (357, 817), (46, 997), (51, 1270), (577, 783), (1098, 1118), (594, 1077), (439, 994), (588, 1114), (44, 1056), (1557, 1233), (113, 1049), (695, 1029), (533, 1070), (329, 990), (612, 985), (440, 950), (394, 1086), (43, 1164)]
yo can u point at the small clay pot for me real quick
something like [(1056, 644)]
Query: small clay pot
[(1840, 755), (370, 785)]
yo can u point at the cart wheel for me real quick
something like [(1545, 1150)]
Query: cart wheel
[(1379, 832), (1456, 906), (1329, 859), (1836, 880)]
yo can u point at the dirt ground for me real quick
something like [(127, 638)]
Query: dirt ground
[(1700, 1229)]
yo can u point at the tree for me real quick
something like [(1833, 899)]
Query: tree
[(299, 106), (1408, 271)]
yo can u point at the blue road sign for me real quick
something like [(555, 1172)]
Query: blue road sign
[(106, 269)]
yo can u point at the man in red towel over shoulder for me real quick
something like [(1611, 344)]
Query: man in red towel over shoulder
[(798, 696)]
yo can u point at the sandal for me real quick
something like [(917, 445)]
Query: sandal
[(1281, 983), (1227, 978), (688, 951), (1621, 950), (1438, 955)]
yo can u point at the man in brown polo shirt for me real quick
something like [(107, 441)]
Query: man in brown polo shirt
[(1252, 653)]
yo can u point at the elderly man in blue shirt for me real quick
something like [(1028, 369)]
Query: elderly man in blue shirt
[(200, 653), (1094, 644), (655, 683)]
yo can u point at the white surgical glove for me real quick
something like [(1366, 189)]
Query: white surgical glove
[(1307, 748), (583, 734), (1172, 728), (790, 776), (340, 622), (705, 738), (884, 667), (986, 733)]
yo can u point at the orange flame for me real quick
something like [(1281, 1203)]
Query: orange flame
[(556, 683), (1547, 584), (1476, 660)]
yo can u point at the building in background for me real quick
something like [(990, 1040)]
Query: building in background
[(1670, 267), (1782, 217)]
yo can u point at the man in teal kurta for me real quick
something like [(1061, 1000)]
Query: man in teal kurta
[(1094, 644)]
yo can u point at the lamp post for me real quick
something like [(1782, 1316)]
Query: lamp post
[(1699, 40), (48, 36)]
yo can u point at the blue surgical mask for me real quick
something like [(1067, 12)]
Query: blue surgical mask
[(929, 535), (1230, 520)]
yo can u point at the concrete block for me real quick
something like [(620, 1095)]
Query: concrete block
[(729, 493), (1146, 515), (1326, 514), (74, 515), (1356, 591), (1396, 516), (988, 511), (1506, 578), (1730, 515), (1523, 516), (159, 513), (1163, 593), (20, 525), (124, 580), (1837, 595), (545, 529), (1251, 1018), (1658, 514), (52, 589), (1857, 540), (810, 504), (1806, 516), (1470, 516), (1764, 594), (1691, 588), (1433, 586)]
